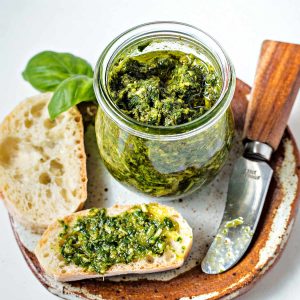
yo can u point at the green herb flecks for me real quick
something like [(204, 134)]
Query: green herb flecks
[(164, 88), (98, 241), (160, 168)]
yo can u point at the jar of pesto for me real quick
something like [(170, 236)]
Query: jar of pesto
[(164, 125)]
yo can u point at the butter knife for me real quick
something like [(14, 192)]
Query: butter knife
[(276, 85)]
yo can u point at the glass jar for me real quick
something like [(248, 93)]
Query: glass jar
[(166, 162)]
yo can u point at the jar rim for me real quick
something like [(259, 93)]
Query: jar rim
[(175, 132)]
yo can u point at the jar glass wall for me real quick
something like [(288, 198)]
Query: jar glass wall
[(171, 161)]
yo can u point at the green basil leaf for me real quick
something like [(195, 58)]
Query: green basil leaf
[(46, 70), (70, 92)]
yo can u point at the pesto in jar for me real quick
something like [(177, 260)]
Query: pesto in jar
[(98, 241), (164, 88), (164, 168), (171, 91)]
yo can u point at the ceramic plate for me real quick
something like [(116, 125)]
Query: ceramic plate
[(203, 210)]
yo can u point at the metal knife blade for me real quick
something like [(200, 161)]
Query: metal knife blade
[(247, 191)]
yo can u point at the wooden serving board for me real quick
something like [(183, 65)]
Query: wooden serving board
[(203, 210)]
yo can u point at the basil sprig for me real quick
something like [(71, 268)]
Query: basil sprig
[(68, 76)]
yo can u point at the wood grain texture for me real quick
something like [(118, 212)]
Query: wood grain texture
[(276, 85), (195, 283)]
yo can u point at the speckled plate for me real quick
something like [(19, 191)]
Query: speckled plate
[(203, 210)]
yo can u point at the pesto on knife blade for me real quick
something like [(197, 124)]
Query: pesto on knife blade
[(164, 88), (98, 241)]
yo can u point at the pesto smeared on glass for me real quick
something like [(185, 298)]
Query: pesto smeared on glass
[(164, 88), (98, 241), (164, 168)]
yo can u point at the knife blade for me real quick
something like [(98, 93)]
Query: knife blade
[(242, 211), (276, 85)]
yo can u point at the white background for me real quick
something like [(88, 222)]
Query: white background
[(84, 28)]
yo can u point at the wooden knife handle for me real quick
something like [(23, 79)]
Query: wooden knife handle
[(276, 85)]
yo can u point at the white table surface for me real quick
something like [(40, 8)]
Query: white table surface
[(84, 27)]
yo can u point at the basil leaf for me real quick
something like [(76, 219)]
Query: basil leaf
[(70, 92), (46, 70)]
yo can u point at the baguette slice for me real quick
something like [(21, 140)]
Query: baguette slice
[(42, 163), (48, 253)]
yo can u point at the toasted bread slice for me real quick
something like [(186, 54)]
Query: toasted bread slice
[(53, 263), (42, 163)]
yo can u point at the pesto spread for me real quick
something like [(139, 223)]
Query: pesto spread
[(98, 241), (164, 88), (164, 169), (229, 244)]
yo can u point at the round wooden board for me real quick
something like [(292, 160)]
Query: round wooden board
[(277, 217)]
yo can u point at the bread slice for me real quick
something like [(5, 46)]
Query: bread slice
[(48, 251), (42, 163)]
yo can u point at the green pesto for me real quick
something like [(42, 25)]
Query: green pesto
[(234, 223), (164, 88), (98, 241), (164, 169), (230, 241)]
